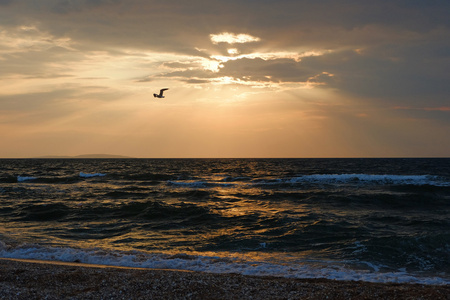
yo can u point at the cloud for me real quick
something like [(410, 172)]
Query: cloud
[(323, 37), (5, 2), (443, 108), (440, 114), (377, 55), (231, 38)]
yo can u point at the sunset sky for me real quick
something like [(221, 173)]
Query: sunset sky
[(246, 78)]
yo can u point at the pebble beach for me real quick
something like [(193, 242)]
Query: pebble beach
[(30, 279)]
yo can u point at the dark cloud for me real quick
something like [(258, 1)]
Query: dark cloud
[(404, 74), (245, 69), (403, 45), (71, 6), (196, 81), (5, 2), (437, 114), (189, 74), (180, 26), (278, 70)]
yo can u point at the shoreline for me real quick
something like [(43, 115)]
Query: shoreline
[(35, 279)]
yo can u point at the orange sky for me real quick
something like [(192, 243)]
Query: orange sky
[(246, 78)]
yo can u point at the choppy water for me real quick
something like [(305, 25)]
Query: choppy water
[(384, 220)]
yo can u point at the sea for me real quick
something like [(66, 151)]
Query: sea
[(362, 219)]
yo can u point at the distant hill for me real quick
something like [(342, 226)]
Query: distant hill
[(86, 156)]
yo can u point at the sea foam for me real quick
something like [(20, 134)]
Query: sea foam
[(25, 178), (85, 175), (210, 264)]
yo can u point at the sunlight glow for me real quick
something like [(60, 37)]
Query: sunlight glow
[(232, 38), (271, 55), (212, 65), (253, 84)]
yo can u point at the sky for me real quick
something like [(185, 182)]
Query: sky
[(246, 78)]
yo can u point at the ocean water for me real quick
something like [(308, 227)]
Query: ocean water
[(379, 220)]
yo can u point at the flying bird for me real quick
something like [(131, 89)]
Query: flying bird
[(160, 93)]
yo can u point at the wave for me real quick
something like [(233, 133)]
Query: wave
[(224, 263), (85, 175), (198, 184), (148, 177), (143, 211), (50, 179), (230, 181), (354, 179), (362, 178), (25, 178), (43, 212)]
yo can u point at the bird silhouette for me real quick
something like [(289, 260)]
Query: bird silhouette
[(160, 95)]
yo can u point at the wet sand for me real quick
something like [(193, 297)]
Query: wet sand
[(29, 279)]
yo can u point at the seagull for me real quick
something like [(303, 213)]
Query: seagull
[(160, 93)]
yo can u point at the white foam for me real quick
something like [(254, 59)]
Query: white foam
[(25, 178), (85, 175), (212, 264)]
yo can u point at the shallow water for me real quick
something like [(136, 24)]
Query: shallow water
[(360, 219)]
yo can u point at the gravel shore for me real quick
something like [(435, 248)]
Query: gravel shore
[(26, 279)]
